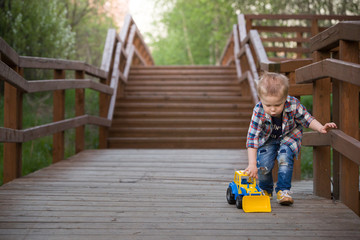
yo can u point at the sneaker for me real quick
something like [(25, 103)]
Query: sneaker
[(284, 198), (268, 194)]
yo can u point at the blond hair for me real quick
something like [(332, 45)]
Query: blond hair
[(273, 84)]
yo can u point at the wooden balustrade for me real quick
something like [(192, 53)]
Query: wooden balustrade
[(288, 36), (116, 64), (120, 53), (342, 41)]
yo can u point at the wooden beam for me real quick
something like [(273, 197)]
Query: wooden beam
[(13, 107), (341, 70), (58, 115), (330, 38), (349, 124), (285, 66), (29, 134), (242, 27), (60, 64), (79, 111), (63, 84), (8, 54), (321, 111)]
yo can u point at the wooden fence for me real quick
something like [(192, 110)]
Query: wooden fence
[(288, 36), (246, 51), (120, 53)]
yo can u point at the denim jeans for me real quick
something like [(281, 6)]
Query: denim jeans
[(266, 156)]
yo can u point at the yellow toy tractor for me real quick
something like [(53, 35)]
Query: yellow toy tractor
[(246, 194)]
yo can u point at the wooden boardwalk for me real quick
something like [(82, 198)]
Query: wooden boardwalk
[(157, 194)]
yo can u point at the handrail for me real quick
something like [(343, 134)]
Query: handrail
[(20, 136), (348, 30), (121, 51), (329, 68), (12, 77), (115, 66), (337, 139), (60, 64)]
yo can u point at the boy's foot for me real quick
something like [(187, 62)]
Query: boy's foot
[(268, 194), (284, 198)]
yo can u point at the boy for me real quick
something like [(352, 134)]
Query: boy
[(275, 132)]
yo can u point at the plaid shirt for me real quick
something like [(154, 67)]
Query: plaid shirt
[(295, 117)]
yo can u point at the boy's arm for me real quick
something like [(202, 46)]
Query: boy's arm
[(252, 168), (317, 126)]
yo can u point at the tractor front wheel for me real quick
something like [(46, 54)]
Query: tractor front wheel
[(239, 202)]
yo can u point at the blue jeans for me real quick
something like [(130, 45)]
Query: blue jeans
[(266, 156)]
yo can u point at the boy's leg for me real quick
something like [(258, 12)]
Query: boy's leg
[(266, 156), (285, 160)]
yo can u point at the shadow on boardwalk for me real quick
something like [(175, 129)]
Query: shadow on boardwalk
[(157, 194)]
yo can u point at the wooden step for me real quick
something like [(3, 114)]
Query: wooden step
[(187, 82), (177, 132), (234, 88), (185, 115), (174, 70), (181, 107), (184, 107), (178, 93), (179, 142), (205, 99), (135, 122)]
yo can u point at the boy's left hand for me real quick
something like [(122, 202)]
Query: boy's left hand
[(327, 127)]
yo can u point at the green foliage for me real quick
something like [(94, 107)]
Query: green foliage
[(90, 24), (323, 7), (36, 28), (196, 32)]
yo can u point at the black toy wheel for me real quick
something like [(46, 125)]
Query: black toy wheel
[(239, 202), (229, 196)]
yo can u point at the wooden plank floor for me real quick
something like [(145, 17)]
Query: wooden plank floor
[(157, 194)]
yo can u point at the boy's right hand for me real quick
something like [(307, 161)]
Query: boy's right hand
[(252, 171)]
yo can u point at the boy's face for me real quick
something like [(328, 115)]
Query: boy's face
[(273, 105)]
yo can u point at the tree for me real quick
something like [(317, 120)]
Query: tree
[(196, 31), (36, 28), (88, 20)]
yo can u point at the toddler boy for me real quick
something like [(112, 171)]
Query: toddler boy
[(275, 132)]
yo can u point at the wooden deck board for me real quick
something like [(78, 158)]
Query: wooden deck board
[(157, 194)]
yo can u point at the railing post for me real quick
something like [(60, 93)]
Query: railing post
[(104, 101), (321, 111), (58, 115), (13, 99), (314, 27), (79, 111), (349, 124)]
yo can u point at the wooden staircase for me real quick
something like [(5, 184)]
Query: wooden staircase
[(181, 107)]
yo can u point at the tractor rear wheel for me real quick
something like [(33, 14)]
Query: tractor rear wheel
[(230, 196)]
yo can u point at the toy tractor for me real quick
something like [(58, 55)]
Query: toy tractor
[(246, 194)]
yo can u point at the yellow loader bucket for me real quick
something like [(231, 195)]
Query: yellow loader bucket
[(256, 204)]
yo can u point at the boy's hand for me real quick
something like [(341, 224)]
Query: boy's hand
[(252, 171), (327, 127)]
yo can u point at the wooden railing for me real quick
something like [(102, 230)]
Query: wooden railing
[(115, 65), (339, 76), (287, 36), (249, 64), (120, 53)]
